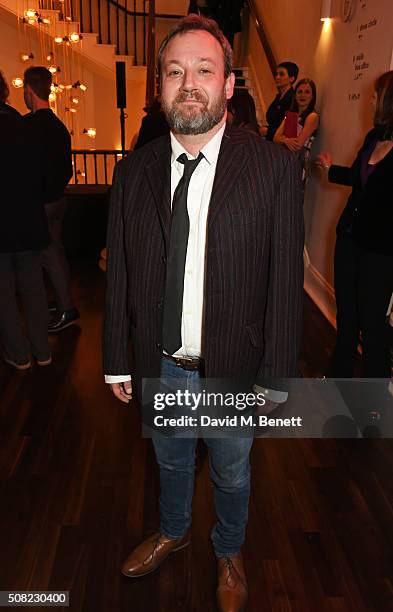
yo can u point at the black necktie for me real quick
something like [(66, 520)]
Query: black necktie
[(173, 304)]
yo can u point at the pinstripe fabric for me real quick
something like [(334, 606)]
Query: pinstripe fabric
[(254, 267)]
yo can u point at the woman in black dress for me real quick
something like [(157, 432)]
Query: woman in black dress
[(363, 262)]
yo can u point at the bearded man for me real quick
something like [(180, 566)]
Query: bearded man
[(205, 276)]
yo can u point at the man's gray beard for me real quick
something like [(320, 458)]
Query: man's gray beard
[(192, 123)]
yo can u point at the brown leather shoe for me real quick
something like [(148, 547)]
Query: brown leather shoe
[(149, 555), (232, 584)]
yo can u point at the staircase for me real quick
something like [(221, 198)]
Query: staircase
[(61, 26)]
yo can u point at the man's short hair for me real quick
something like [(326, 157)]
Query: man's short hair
[(198, 22), (40, 80), (4, 89), (291, 68)]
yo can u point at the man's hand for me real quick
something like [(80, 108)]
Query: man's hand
[(123, 391), (324, 161)]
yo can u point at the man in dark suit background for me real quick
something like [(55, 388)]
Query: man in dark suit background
[(213, 287), (53, 153), (23, 236)]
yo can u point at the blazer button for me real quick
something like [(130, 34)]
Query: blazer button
[(159, 345), (163, 259)]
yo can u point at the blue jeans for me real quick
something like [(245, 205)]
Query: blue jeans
[(229, 471)]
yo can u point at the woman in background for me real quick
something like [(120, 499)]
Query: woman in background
[(241, 111), (363, 260), (306, 125)]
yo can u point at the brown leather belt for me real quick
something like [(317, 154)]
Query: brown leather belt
[(186, 363)]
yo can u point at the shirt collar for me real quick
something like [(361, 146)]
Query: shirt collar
[(210, 150)]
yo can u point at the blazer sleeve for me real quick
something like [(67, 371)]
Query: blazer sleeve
[(350, 175), (116, 320), (342, 175), (285, 291)]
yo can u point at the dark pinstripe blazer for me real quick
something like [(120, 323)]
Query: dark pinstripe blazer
[(254, 266)]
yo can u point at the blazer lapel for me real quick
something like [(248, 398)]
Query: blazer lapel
[(158, 173), (230, 163)]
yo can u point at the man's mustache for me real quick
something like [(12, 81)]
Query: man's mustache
[(194, 96)]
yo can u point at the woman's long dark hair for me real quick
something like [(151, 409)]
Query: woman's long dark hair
[(311, 107), (242, 107), (383, 117)]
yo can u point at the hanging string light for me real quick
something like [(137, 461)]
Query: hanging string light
[(30, 16), (79, 85), (91, 132), (50, 56), (74, 37), (54, 69), (17, 82), (25, 57)]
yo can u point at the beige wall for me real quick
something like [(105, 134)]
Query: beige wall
[(326, 54)]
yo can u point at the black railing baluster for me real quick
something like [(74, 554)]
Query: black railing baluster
[(75, 169), (109, 39), (91, 15), (99, 21), (105, 170), (144, 32), (135, 38), (85, 166), (81, 15), (95, 168), (117, 30), (125, 27)]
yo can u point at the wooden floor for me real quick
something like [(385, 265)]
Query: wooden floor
[(79, 488)]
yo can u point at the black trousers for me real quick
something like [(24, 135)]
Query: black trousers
[(363, 283), (22, 273), (54, 259)]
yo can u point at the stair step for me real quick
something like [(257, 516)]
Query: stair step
[(242, 71)]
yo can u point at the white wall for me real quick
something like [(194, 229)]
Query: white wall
[(327, 54)]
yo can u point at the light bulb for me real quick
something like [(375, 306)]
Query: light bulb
[(82, 87), (17, 82), (31, 14), (91, 132), (58, 40), (52, 96), (53, 69), (74, 37), (25, 57), (50, 56), (75, 100)]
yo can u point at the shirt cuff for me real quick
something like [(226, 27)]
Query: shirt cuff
[(279, 397), (110, 380)]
